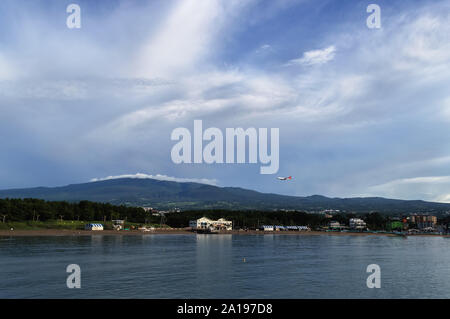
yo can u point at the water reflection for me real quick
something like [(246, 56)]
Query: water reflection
[(213, 262)]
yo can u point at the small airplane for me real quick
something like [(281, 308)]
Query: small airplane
[(285, 178)]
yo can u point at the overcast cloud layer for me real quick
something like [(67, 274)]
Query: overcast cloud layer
[(361, 112)]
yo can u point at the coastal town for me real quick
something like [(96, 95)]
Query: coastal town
[(19, 215), (413, 224)]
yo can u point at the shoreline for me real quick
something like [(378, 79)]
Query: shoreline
[(63, 232)]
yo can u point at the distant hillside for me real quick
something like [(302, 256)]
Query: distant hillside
[(165, 194)]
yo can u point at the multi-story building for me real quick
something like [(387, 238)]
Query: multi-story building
[(206, 223), (357, 223), (424, 221)]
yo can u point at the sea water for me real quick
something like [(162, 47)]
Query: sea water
[(224, 266)]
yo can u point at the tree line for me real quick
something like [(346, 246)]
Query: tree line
[(30, 209), (256, 219)]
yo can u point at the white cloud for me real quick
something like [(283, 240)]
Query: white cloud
[(377, 109), (264, 49), (185, 40), (7, 71), (445, 111), (159, 177), (417, 180), (315, 57), (431, 188), (445, 198)]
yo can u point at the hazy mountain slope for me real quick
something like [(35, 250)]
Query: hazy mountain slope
[(165, 194)]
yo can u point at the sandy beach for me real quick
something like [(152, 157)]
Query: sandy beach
[(57, 232)]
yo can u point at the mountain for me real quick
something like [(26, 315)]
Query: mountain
[(166, 195)]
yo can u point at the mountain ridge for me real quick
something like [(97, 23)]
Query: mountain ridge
[(190, 195)]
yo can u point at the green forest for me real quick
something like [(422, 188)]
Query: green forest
[(255, 219), (36, 210), (28, 209)]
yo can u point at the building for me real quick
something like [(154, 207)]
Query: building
[(298, 228), (206, 223), (357, 223), (284, 228), (93, 227), (330, 211), (118, 224), (149, 210), (424, 221), (334, 225)]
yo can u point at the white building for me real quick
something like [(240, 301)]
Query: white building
[(334, 225), (118, 224), (357, 223), (206, 223), (93, 227), (267, 227)]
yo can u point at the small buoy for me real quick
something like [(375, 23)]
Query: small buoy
[(244, 259)]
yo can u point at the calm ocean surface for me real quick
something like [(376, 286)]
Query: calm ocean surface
[(212, 266)]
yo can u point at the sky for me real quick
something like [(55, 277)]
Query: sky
[(360, 111)]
